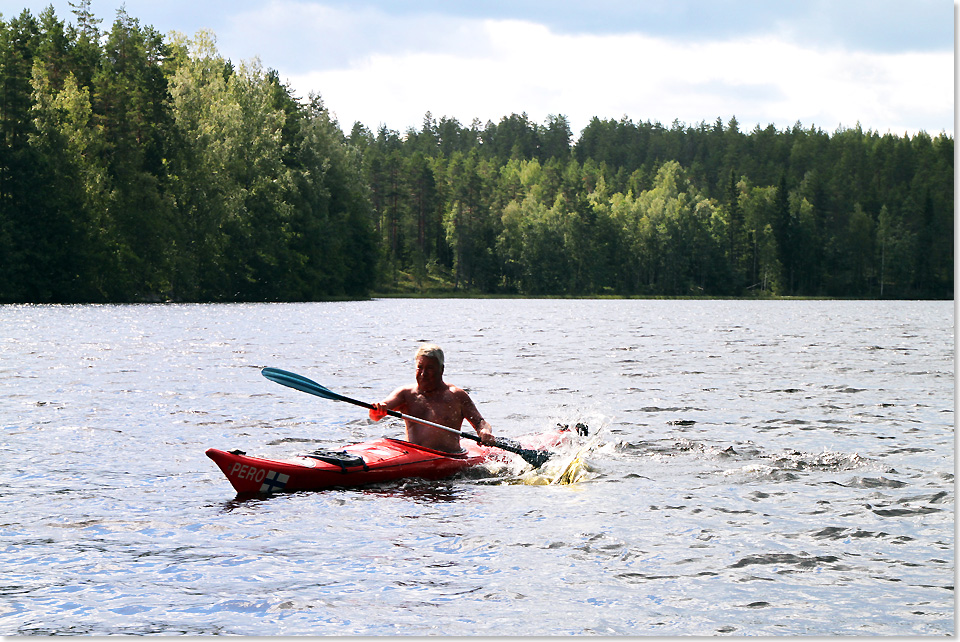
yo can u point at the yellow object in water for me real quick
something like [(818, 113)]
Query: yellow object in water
[(574, 471), (561, 469)]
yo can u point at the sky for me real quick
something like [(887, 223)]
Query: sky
[(885, 64)]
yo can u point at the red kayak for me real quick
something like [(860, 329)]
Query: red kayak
[(370, 462)]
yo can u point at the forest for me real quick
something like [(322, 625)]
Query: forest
[(138, 167)]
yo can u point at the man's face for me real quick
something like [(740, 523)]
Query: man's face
[(429, 375)]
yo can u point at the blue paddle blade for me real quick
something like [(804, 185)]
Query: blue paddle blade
[(298, 382)]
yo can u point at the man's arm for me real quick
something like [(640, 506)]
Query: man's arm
[(471, 414), (395, 401)]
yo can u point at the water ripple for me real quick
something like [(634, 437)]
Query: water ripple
[(754, 468)]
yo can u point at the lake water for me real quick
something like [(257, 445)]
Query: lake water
[(754, 468)]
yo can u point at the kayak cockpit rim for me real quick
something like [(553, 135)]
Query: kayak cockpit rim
[(462, 454)]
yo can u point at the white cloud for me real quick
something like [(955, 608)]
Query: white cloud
[(304, 36), (376, 69)]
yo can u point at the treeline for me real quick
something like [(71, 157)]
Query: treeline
[(134, 167), (641, 209)]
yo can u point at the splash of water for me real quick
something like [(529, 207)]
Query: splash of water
[(570, 463)]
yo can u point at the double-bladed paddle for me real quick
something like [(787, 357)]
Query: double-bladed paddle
[(535, 458)]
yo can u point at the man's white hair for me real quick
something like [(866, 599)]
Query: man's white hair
[(431, 350)]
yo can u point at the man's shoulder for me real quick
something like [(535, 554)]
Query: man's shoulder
[(457, 390), (403, 392)]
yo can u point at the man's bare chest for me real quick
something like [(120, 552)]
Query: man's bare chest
[(439, 407)]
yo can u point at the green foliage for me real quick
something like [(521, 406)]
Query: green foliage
[(134, 169), (640, 209), (138, 168)]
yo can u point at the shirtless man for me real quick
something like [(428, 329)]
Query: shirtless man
[(434, 400)]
